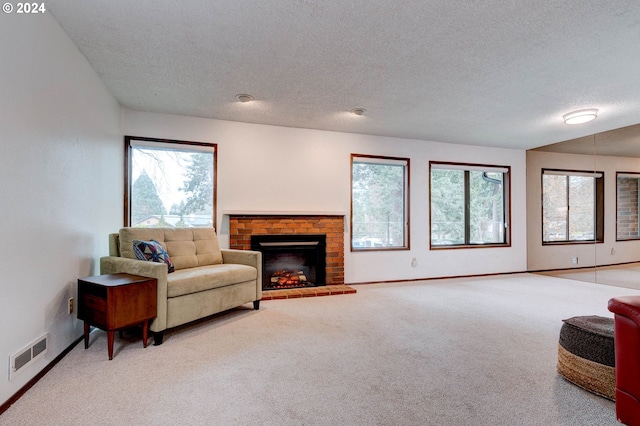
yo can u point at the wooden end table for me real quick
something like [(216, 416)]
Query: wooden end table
[(113, 302)]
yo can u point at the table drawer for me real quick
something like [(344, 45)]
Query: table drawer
[(98, 319), (93, 303)]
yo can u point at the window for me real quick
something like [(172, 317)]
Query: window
[(572, 206), (627, 206), (169, 183), (379, 203), (469, 205)]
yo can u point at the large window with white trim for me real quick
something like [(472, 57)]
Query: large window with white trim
[(572, 206), (469, 205), (169, 183), (379, 203)]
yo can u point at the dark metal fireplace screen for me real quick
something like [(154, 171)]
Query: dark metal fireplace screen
[(291, 261)]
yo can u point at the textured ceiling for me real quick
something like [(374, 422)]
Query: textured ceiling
[(484, 72), (622, 142)]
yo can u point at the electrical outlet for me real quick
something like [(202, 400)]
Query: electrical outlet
[(70, 305), (574, 260), (414, 262)]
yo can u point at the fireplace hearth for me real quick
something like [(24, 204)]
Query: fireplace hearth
[(291, 261)]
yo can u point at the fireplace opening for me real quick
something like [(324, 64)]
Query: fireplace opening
[(291, 261)]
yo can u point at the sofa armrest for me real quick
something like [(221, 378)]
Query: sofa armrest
[(116, 265), (628, 306), (242, 257), (246, 257), (627, 353)]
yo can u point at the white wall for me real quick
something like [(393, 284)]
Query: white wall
[(318, 180), (559, 256), (61, 174), (62, 171)]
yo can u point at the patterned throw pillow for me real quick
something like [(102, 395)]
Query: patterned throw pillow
[(152, 251)]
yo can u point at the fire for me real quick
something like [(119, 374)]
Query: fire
[(285, 279)]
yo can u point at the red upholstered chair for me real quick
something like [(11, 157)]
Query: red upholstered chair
[(627, 353)]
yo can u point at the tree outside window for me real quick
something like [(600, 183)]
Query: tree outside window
[(379, 202), (468, 205), (172, 183), (572, 206), (447, 207)]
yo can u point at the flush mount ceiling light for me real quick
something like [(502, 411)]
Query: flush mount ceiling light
[(358, 111), (580, 116), (244, 98)]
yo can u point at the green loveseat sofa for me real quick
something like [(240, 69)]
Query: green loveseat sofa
[(206, 280)]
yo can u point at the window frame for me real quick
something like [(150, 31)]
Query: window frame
[(598, 232), (380, 159), (128, 172), (633, 175), (506, 204)]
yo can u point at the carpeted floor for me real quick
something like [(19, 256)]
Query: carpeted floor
[(627, 275), (479, 351)]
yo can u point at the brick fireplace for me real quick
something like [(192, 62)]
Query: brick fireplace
[(242, 227), (627, 211)]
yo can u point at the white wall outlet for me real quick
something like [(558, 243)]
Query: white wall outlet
[(613, 251), (70, 309), (574, 260), (414, 262)]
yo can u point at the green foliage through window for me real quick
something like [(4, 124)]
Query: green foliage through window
[(571, 206), (145, 200), (171, 183), (468, 205), (379, 202)]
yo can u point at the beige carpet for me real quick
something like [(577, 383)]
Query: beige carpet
[(477, 351), (627, 275)]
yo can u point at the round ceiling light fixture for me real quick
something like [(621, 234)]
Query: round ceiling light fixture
[(580, 116), (244, 98), (358, 111)]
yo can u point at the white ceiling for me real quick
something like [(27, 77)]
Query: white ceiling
[(483, 72)]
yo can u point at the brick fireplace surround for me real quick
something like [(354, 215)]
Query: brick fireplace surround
[(242, 227)]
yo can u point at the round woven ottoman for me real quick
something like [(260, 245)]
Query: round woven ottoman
[(586, 354)]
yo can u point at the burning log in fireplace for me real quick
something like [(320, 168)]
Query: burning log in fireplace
[(286, 279), (291, 261)]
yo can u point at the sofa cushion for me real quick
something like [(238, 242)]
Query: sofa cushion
[(191, 247), (127, 235), (187, 247), (152, 251), (193, 280)]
